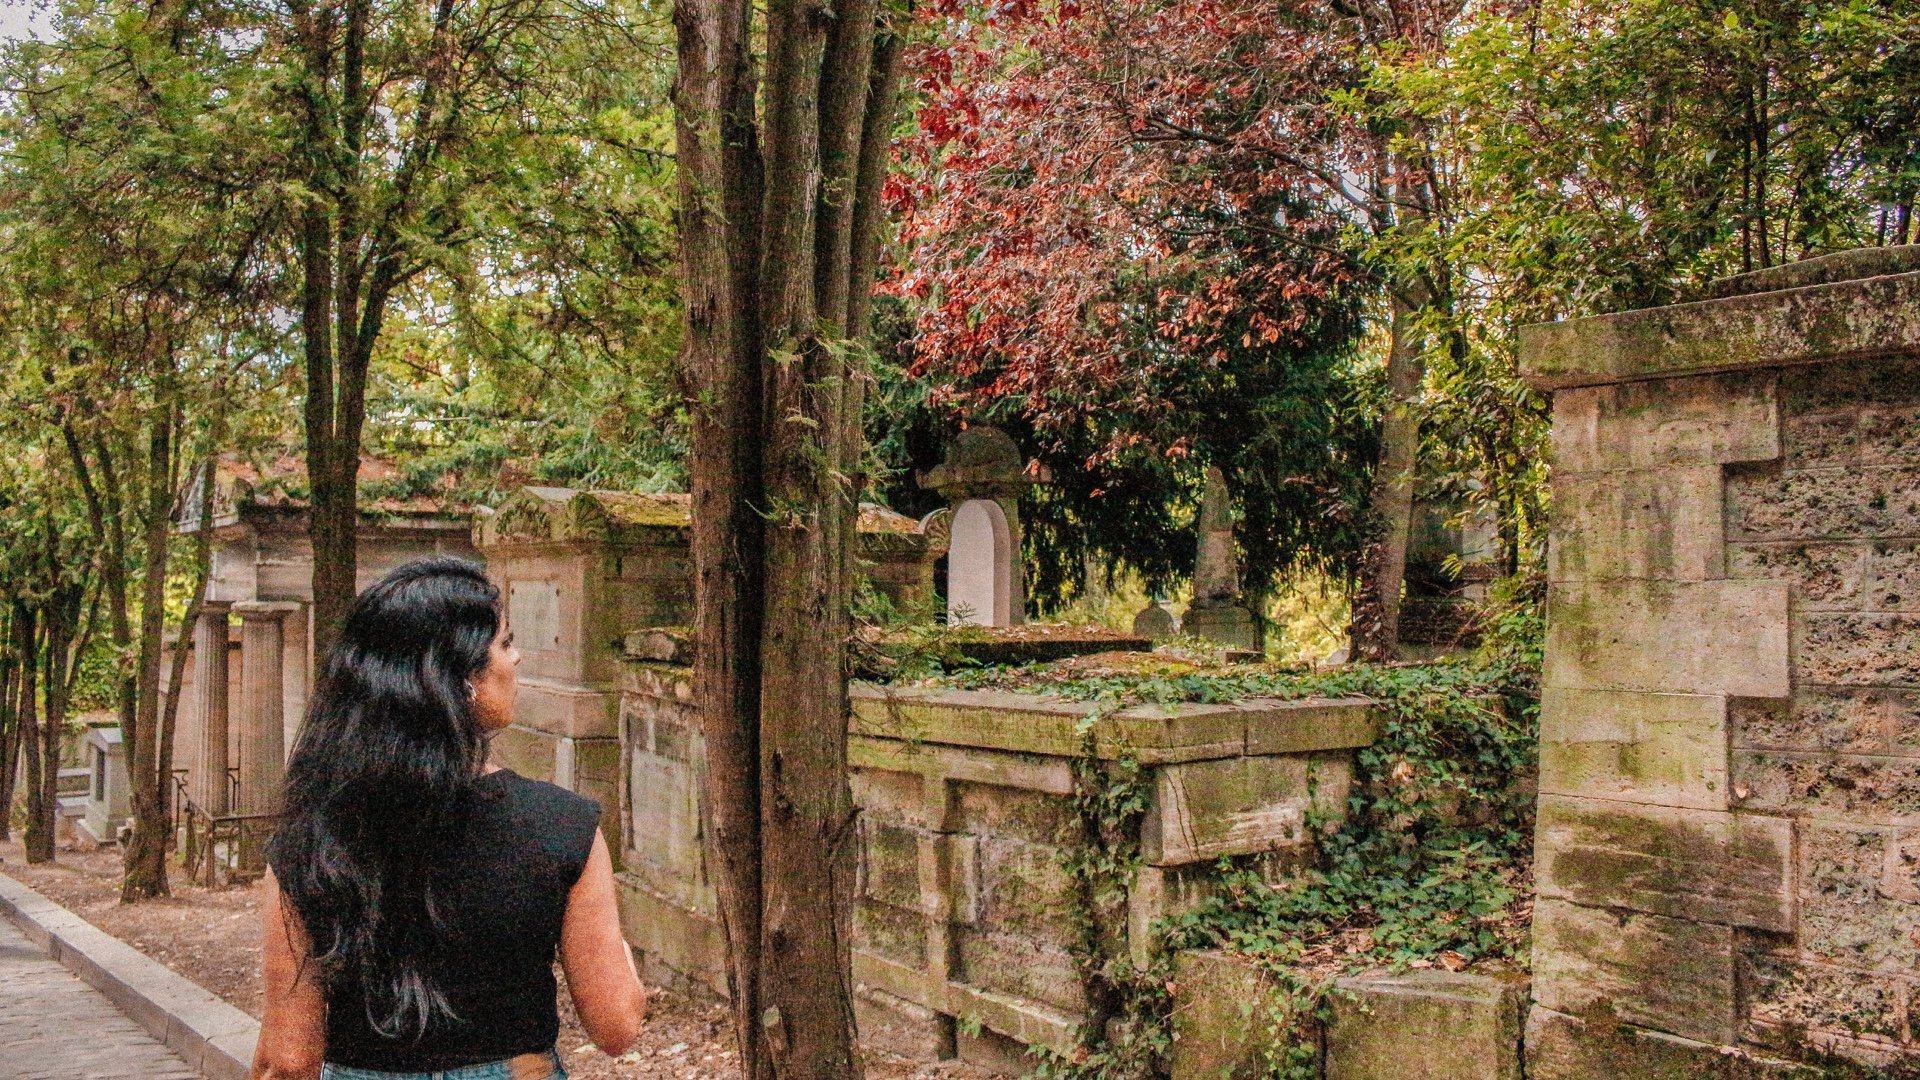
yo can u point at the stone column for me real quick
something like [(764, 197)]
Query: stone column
[(209, 778), (261, 744)]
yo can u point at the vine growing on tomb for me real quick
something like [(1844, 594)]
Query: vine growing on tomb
[(1426, 864)]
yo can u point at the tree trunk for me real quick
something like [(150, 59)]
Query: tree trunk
[(59, 630), (1376, 608), (145, 859), (777, 262), (39, 834), (10, 734), (719, 180)]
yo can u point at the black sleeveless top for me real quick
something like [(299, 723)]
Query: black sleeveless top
[(505, 900)]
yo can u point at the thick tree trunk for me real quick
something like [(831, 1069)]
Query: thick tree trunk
[(1376, 608), (719, 234), (806, 811), (145, 859), (777, 262)]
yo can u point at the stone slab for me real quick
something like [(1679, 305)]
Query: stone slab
[(1661, 749), (1425, 1025), (1694, 637), (1223, 1017), (1785, 993), (1651, 971), (1152, 734), (1846, 918), (1827, 576), (1846, 787), (1876, 316), (665, 935), (1875, 649), (1710, 420), (1843, 503), (1203, 810), (1825, 719), (1017, 1018), (1563, 1047), (567, 709), (1700, 865), (1642, 523), (938, 764), (532, 754), (1840, 266), (898, 1026), (1294, 727)]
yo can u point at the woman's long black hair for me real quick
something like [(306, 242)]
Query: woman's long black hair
[(380, 785)]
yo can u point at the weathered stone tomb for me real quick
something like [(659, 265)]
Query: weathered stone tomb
[(963, 931), (1730, 737)]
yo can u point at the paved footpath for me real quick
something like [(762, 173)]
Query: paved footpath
[(55, 1027)]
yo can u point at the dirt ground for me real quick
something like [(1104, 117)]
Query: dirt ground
[(211, 937)]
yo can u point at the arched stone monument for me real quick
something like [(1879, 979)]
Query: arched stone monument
[(981, 479)]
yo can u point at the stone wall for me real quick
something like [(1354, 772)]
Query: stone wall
[(963, 929), (1730, 733), (577, 570)]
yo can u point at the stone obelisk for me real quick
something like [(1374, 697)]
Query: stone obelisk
[(1216, 612)]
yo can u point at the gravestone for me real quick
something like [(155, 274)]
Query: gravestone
[(1216, 612), (981, 480), (1156, 620), (109, 801), (980, 566), (1730, 719)]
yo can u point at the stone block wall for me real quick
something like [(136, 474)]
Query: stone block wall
[(1730, 728), (967, 805), (964, 923), (1230, 1014)]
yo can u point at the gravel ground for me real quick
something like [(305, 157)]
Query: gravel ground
[(211, 936)]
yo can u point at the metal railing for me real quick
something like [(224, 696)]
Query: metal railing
[(219, 849)]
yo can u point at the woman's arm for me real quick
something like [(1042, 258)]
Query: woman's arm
[(293, 1037), (599, 965)]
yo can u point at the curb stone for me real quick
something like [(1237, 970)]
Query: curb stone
[(208, 1034)]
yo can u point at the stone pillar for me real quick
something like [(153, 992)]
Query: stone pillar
[(1726, 847), (208, 782), (1216, 612), (261, 741), (981, 479)]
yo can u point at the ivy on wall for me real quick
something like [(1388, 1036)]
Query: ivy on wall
[(1427, 863)]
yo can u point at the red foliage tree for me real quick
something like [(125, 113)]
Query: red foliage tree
[(1111, 197)]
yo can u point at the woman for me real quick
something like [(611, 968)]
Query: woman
[(417, 895)]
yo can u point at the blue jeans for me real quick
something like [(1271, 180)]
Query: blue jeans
[(490, 1070)]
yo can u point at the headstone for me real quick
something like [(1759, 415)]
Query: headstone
[(981, 479), (109, 798), (1216, 612), (980, 566), (1156, 620)]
